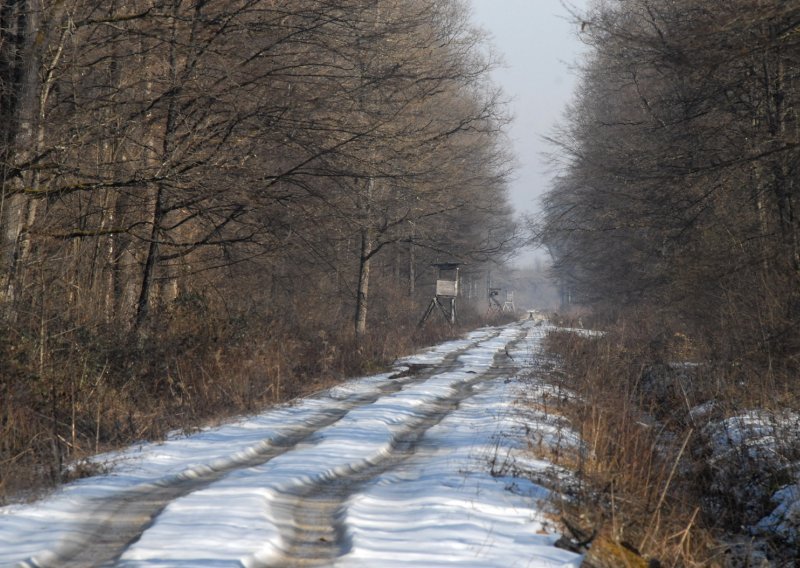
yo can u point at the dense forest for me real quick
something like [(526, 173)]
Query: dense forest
[(678, 185), (207, 204), (674, 224)]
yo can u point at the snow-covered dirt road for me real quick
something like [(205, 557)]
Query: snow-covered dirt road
[(390, 470)]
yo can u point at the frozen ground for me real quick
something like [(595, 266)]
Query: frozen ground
[(388, 470)]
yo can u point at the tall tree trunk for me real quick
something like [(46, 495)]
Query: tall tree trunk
[(20, 209), (32, 80), (107, 286), (12, 42), (412, 263), (364, 265), (148, 273), (367, 235), (151, 259)]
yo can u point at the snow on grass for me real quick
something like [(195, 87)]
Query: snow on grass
[(444, 507), (574, 330), (784, 520), (441, 506), (760, 434), (439, 353), (361, 437), (750, 452), (26, 530)]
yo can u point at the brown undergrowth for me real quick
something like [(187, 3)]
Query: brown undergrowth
[(95, 388), (682, 452), (645, 486)]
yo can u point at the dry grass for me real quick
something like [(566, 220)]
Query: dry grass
[(633, 494), (647, 484), (96, 388)]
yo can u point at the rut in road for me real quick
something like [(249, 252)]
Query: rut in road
[(313, 515), (115, 523)]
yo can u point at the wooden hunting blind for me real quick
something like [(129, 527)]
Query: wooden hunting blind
[(447, 279), (495, 307), (446, 291)]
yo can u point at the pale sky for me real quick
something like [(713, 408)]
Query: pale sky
[(539, 46)]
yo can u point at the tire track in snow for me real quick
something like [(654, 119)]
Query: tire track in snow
[(313, 514), (114, 524)]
